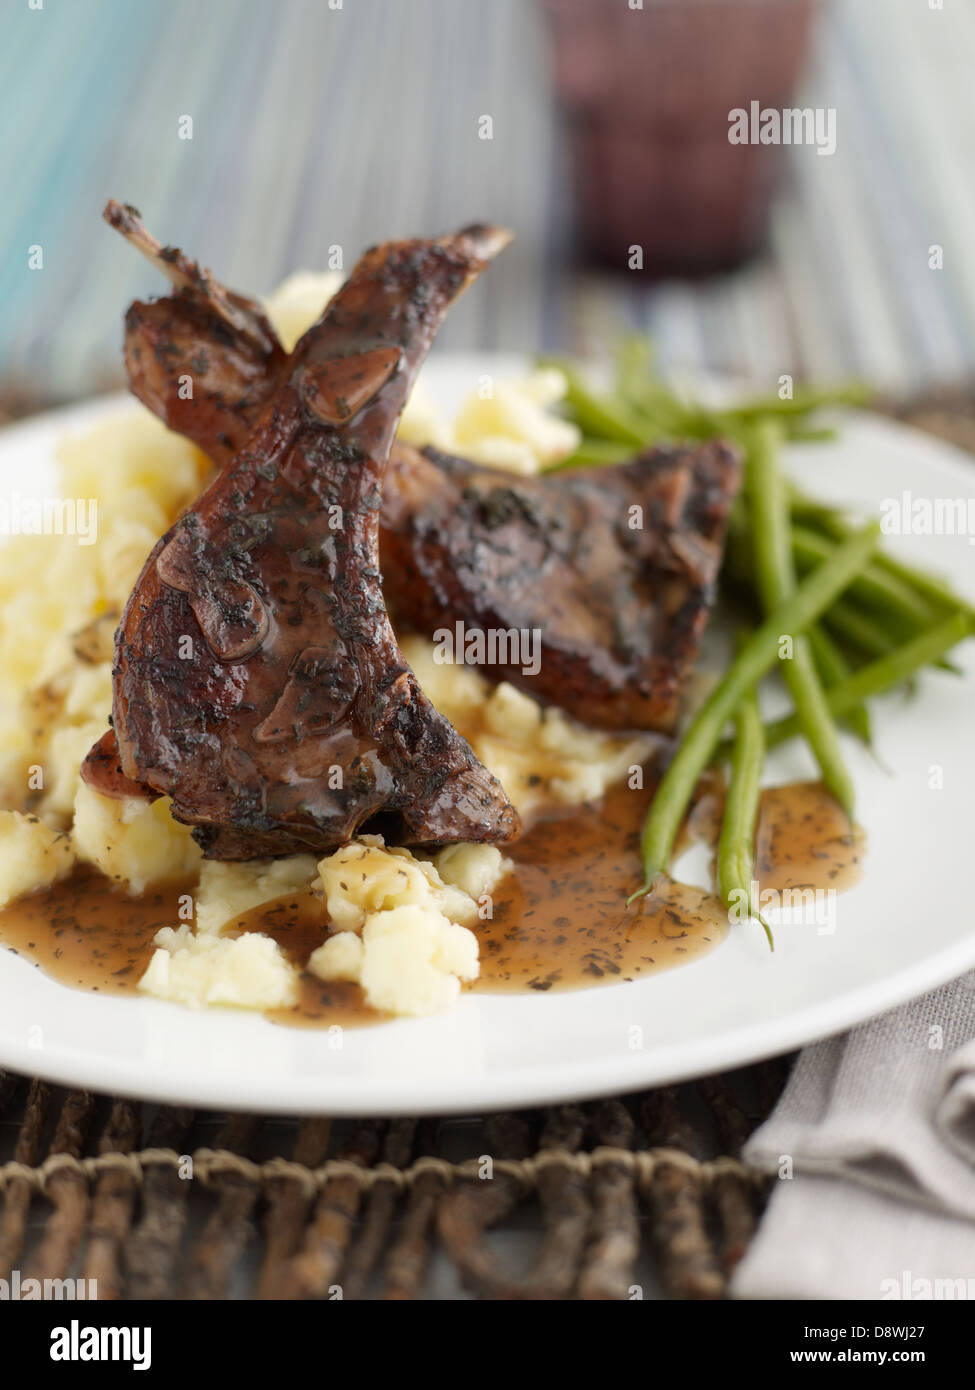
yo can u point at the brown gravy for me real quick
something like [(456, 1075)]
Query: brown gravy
[(804, 840), (559, 922), (87, 933)]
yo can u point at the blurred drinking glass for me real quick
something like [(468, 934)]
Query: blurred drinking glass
[(647, 89)]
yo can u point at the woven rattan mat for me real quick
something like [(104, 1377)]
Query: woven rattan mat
[(635, 1196), (615, 1199)]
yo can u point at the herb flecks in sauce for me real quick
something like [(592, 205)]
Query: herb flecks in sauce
[(86, 932), (558, 921), (804, 840)]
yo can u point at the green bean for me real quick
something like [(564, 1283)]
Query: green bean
[(665, 417), (851, 654), (736, 843), (592, 451), (776, 581), (804, 606), (810, 434), (633, 357), (651, 400), (875, 587), (929, 586), (872, 635), (843, 619), (605, 417), (833, 667), (896, 612), (881, 675), (828, 519), (875, 629), (641, 409), (868, 633), (804, 401)]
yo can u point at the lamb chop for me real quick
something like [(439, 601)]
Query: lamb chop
[(620, 608), (614, 566), (257, 681)]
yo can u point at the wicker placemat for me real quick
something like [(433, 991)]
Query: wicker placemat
[(620, 1198)]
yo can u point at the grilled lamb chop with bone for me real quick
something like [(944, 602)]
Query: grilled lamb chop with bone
[(257, 680), (620, 607)]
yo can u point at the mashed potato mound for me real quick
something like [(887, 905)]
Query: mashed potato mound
[(504, 424), (31, 855), (140, 477), (510, 425), (226, 891), (399, 923), (409, 959), (299, 300), (135, 842), (365, 877), (397, 929), (248, 971)]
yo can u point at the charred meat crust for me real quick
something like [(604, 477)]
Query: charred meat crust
[(620, 608), (257, 680), (615, 568)]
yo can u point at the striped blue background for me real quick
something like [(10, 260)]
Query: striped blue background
[(315, 126)]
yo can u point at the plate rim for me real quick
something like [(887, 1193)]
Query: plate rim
[(524, 1089)]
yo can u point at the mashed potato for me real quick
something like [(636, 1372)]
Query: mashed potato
[(506, 424), (396, 923), (227, 891), (197, 965), (398, 928), (60, 600), (135, 842), (31, 855), (248, 972), (365, 877), (540, 756), (400, 924), (299, 300), (408, 960)]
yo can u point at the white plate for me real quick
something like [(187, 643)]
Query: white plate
[(904, 929)]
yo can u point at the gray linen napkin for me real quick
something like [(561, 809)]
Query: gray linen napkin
[(878, 1130)]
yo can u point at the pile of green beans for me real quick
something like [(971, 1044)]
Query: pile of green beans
[(641, 409), (860, 622)]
